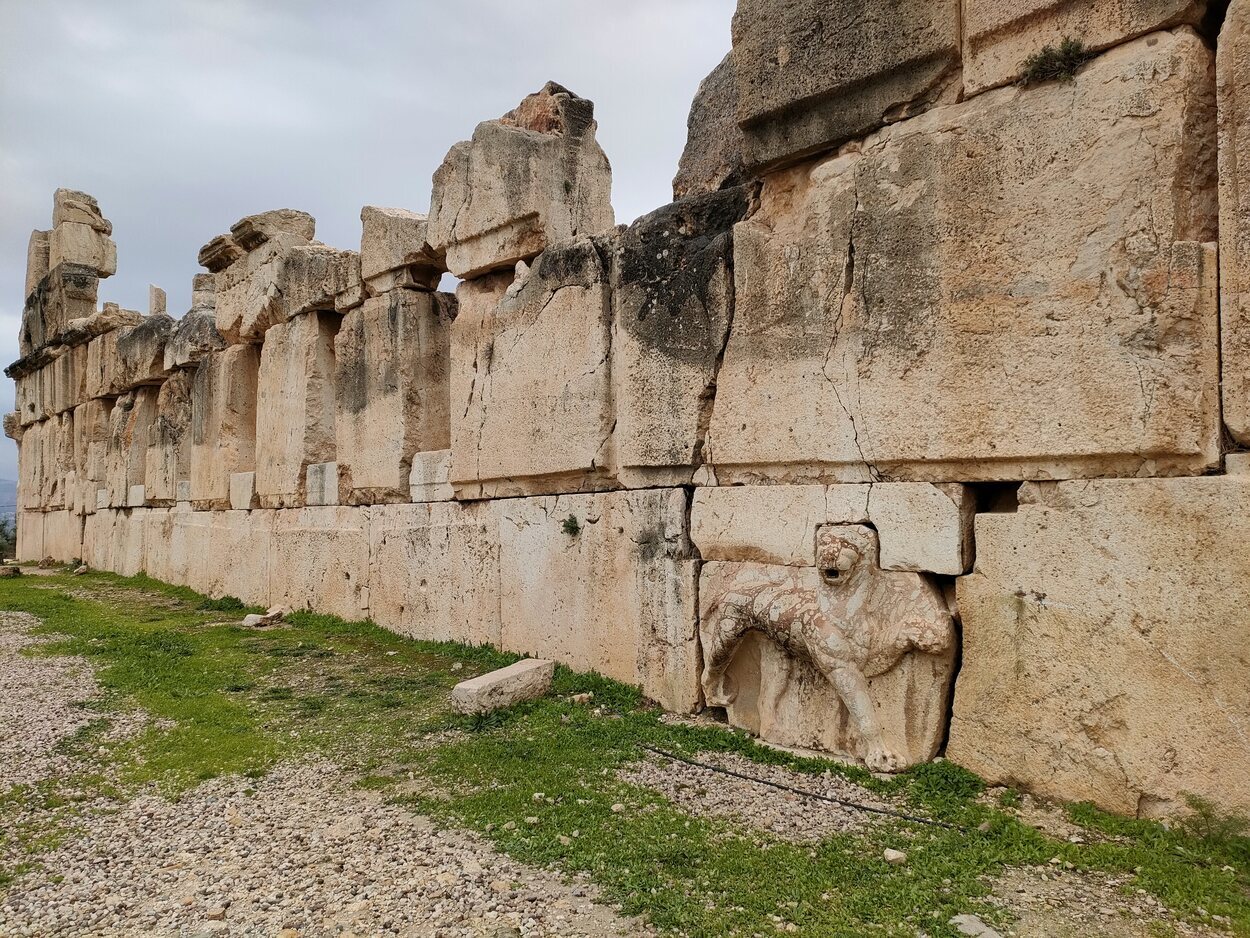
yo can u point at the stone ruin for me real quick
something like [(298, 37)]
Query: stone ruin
[(916, 425)]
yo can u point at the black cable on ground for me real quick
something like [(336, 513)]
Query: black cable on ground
[(806, 794)]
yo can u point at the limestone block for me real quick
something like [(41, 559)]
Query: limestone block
[(68, 379), (92, 425), (72, 206), (526, 680), (841, 656), (249, 292), (67, 293), (434, 571), (193, 337), (243, 491), (55, 459), (923, 527), (33, 402), (37, 255), (254, 230), (223, 422), (531, 375), (29, 469), (393, 390), (125, 359), (203, 292), (618, 596), (320, 560), (1105, 645), (322, 484), (75, 243), (157, 301), (295, 406), (218, 553), (130, 425), (112, 316), (526, 181), (183, 490), (135, 497), (114, 540), (429, 480), (13, 426), (883, 327), (62, 536), (673, 302), (999, 37), (812, 74), (712, 158), (168, 459), (30, 535), (395, 239), (1232, 64), (219, 253)]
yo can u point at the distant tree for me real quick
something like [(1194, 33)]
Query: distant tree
[(8, 537)]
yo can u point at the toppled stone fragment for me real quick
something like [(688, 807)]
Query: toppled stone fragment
[(525, 181), (525, 680), (219, 253), (813, 74), (194, 336), (74, 207), (394, 239), (251, 232), (713, 157), (1000, 37), (80, 331)]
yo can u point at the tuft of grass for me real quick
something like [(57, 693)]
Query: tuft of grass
[(224, 604), (1055, 63), (571, 526)]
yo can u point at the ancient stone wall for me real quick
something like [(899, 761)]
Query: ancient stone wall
[(913, 426)]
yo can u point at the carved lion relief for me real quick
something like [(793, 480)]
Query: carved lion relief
[(841, 656)]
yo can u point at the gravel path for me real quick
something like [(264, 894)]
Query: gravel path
[(792, 817)]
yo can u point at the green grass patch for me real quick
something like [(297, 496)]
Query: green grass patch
[(224, 699)]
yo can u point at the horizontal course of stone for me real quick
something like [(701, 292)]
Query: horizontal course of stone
[(901, 431)]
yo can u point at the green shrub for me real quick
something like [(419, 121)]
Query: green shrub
[(1055, 64)]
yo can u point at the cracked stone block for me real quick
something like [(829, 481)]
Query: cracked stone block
[(130, 424), (1000, 37), (37, 256), (1232, 64), (1105, 645), (124, 359), (434, 571), (67, 293), (295, 406), (525, 680), (612, 590), (429, 480), (82, 245), (526, 181), (392, 387), (322, 484), (320, 560), (394, 239), (812, 74), (223, 423), (193, 337), (712, 159), (70, 206), (169, 440), (111, 317), (672, 303), (531, 380), (885, 330), (283, 279)]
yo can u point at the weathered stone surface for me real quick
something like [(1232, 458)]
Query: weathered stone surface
[(531, 378), (157, 301), (713, 157), (169, 440), (13, 426), (393, 390), (69, 206), (192, 338), (55, 534), (1000, 36), (1232, 63), (506, 687), (280, 281), (219, 253), (923, 527), (130, 424), (254, 230), (528, 180), (434, 571), (68, 375), (92, 425), (203, 292), (840, 656), (37, 267), (617, 597), (1105, 645), (321, 484), (395, 239), (673, 302), (243, 491), (811, 74), (112, 316), (223, 422), (125, 359), (320, 559), (74, 243), (115, 539), (883, 328), (429, 480), (295, 406), (68, 292), (136, 497), (218, 553)]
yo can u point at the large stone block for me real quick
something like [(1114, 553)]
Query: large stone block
[(528, 180), (392, 388), (130, 426), (320, 560), (813, 74), (56, 463), (193, 337), (999, 37), (115, 539), (74, 207), (218, 553), (37, 253), (1106, 641), (1232, 63), (945, 303), (168, 460), (604, 582), (531, 378), (394, 239), (76, 243), (434, 571), (295, 406), (92, 423), (920, 527), (712, 158), (68, 374), (67, 293), (29, 535), (223, 422), (279, 281), (673, 302), (62, 536), (838, 655), (124, 359)]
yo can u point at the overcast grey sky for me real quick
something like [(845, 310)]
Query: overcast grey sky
[(181, 116)]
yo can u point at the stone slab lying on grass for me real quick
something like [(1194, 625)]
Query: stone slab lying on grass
[(525, 680)]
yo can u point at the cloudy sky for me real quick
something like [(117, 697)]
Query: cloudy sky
[(181, 116)]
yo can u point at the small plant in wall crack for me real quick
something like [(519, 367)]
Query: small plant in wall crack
[(571, 526), (1055, 63)]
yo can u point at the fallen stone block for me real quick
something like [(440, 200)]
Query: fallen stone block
[(517, 683), (532, 178), (812, 75)]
